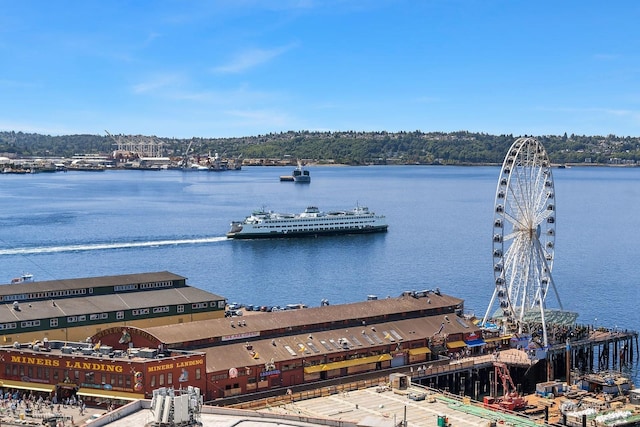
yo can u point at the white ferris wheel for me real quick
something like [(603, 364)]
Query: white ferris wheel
[(524, 237)]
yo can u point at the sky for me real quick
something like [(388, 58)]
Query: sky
[(233, 68)]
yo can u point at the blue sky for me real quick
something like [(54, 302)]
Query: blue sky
[(242, 67)]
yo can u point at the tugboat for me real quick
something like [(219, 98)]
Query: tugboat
[(25, 278), (301, 175)]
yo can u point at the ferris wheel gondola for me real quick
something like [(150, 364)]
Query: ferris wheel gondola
[(524, 234)]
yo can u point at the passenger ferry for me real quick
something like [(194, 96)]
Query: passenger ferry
[(311, 222)]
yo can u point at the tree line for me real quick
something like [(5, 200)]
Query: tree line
[(347, 147)]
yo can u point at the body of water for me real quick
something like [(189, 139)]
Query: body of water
[(82, 224)]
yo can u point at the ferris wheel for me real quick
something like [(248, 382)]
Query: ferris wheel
[(524, 236)]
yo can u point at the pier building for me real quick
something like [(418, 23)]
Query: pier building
[(94, 373), (423, 335), (74, 309)]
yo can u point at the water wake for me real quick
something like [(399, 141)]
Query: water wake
[(107, 246)]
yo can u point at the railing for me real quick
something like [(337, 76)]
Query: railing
[(289, 397)]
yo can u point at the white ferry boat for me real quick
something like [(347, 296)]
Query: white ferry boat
[(311, 222)]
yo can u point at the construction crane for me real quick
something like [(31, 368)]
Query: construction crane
[(511, 399)]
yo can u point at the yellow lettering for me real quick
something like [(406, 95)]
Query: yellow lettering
[(160, 367), (89, 366), (189, 363), (34, 361)]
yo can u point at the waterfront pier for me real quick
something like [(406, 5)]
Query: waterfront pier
[(602, 350), (598, 350)]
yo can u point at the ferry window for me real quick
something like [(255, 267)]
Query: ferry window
[(169, 378), (197, 373), (181, 308), (53, 323), (119, 315), (161, 380)]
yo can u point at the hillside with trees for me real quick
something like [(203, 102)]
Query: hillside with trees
[(349, 147)]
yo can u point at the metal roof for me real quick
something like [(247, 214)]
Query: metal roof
[(241, 353), (103, 303), (331, 316), (87, 282)]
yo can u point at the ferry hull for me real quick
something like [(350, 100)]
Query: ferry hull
[(292, 234)]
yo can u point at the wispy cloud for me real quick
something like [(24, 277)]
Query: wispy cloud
[(426, 100), (605, 56), (177, 87), (150, 38), (608, 111), (252, 58), (17, 84), (260, 117), (158, 83)]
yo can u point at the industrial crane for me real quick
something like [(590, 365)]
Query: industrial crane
[(511, 399)]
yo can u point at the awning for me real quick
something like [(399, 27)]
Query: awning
[(347, 363), (475, 343), (456, 344), (27, 386), (109, 394), (419, 350), (494, 339)]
